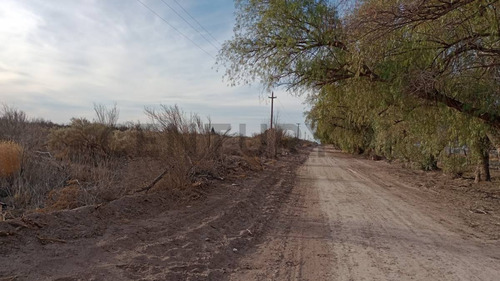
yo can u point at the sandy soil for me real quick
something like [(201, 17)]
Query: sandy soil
[(336, 217), (149, 236), (353, 219)]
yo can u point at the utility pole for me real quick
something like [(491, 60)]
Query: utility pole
[(272, 97), (298, 130)]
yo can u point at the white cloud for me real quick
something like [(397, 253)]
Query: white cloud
[(59, 57)]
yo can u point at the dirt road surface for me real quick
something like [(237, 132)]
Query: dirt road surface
[(332, 217), (347, 219)]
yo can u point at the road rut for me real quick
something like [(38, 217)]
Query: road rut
[(346, 221)]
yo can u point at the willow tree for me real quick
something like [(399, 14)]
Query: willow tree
[(446, 52), (441, 52), (344, 118), (298, 44)]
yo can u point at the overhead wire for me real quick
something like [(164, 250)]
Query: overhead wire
[(186, 21), (194, 19), (291, 117), (284, 111), (175, 29)]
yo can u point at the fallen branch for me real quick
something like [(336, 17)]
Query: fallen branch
[(478, 211), (154, 182), (18, 224), (44, 153)]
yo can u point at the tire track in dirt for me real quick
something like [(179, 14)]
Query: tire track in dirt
[(149, 236), (346, 221)]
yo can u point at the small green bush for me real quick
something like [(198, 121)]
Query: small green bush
[(454, 164)]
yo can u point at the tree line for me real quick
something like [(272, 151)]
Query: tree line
[(410, 79)]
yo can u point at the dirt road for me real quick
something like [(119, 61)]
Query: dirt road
[(336, 217), (347, 219)]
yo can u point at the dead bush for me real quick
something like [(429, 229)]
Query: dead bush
[(40, 174), (68, 197), (10, 159), (135, 142), (188, 148), (289, 143), (123, 143), (13, 123), (82, 141)]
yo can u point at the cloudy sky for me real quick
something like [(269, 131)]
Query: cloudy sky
[(58, 57)]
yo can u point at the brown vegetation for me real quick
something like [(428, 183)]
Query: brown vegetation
[(92, 162), (10, 158)]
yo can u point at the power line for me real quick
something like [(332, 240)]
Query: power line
[(174, 28), (186, 21), (284, 111), (208, 32), (290, 117)]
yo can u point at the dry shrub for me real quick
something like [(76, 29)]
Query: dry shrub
[(40, 174), (89, 142), (289, 143), (242, 164), (188, 149), (123, 143), (10, 159), (32, 171), (134, 142), (13, 123), (254, 146), (272, 141), (254, 163), (82, 141), (68, 197)]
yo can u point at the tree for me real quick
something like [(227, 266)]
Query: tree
[(297, 44), (458, 48), (439, 46), (446, 52), (426, 56)]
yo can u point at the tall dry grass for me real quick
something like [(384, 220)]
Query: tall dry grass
[(189, 150), (10, 159), (54, 167)]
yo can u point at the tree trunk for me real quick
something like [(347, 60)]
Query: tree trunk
[(482, 151), (485, 164), (494, 137), (477, 174)]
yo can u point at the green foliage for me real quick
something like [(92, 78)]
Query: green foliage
[(454, 164), (402, 79), (296, 43)]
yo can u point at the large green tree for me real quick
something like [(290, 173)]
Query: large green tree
[(296, 44), (390, 58), (445, 51)]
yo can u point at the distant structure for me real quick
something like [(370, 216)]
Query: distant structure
[(243, 130), (218, 128)]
